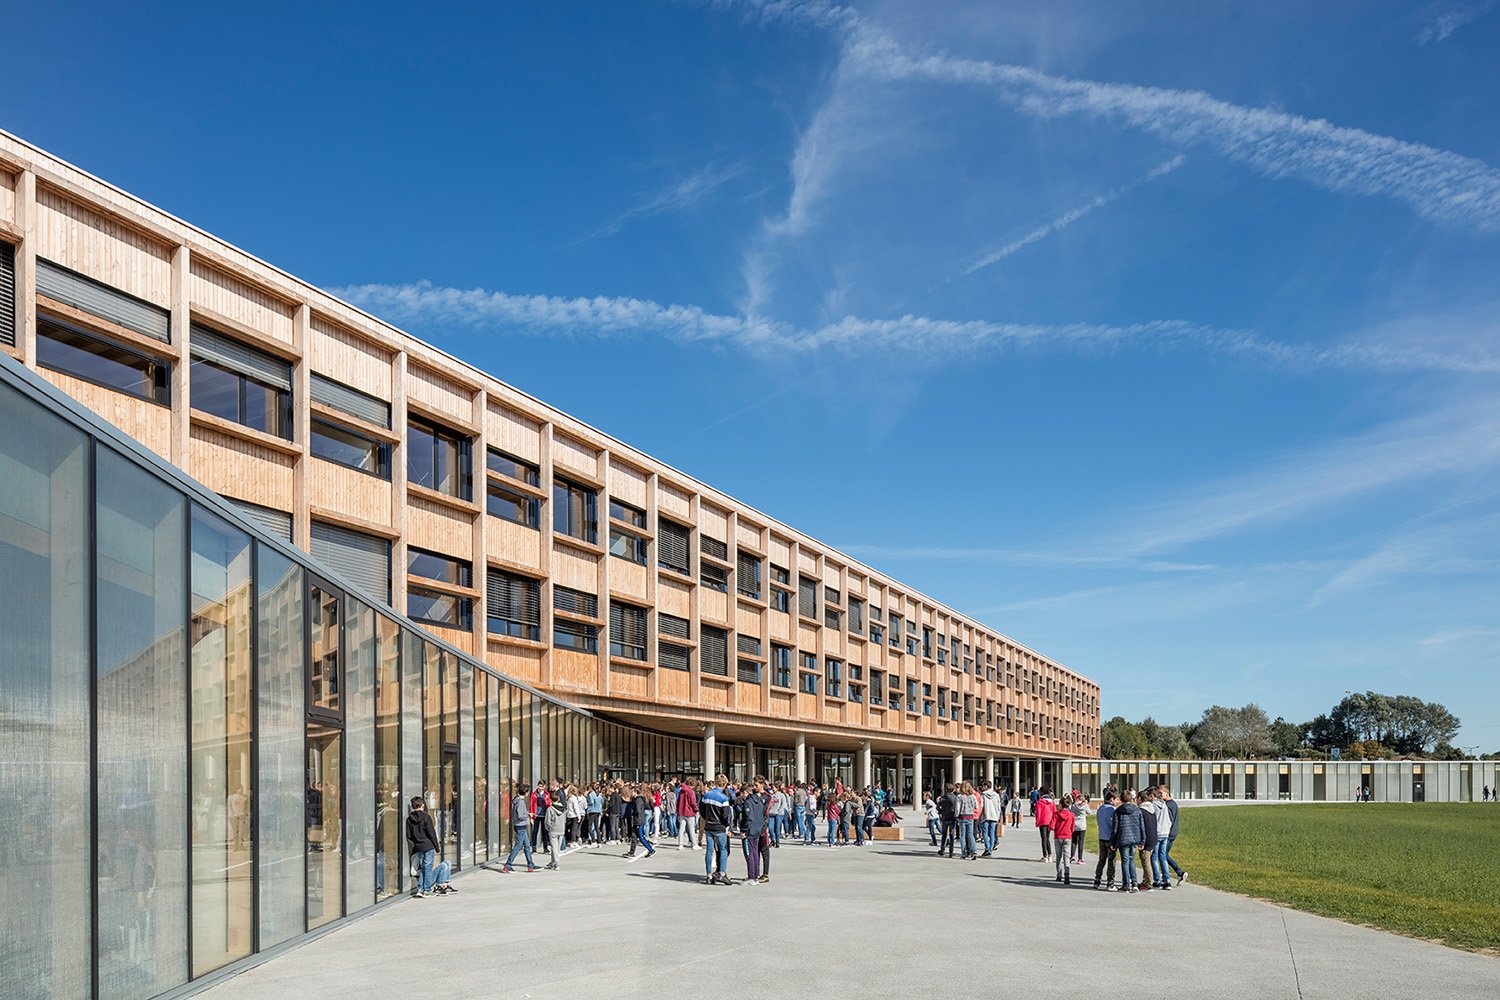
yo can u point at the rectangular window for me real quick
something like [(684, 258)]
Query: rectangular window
[(833, 678), (833, 618), (713, 548), (513, 505), (912, 701), (673, 546), (747, 644), (856, 616), (435, 608), (671, 625), (808, 683), (576, 602), (512, 467), (240, 383), (713, 651), (747, 575), (514, 605), (350, 449), (619, 510), (895, 630), (69, 350), (748, 671), (627, 631), (877, 633), (438, 459), (877, 687), (623, 545), (856, 692), (831, 596), (942, 703), (575, 510), (926, 643), (713, 577), (807, 597), (578, 636), (926, 699), (781, 666), (347, 399), (444, 569), (674, 657), (781, 600)]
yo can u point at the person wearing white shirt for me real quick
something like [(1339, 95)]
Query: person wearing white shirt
[(990, 801)]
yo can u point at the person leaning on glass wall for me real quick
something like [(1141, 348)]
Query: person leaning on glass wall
[(422, 839)]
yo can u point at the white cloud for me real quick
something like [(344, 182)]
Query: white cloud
[(1439, 20), (423, 304), (675, 197), (1455, 548), (1073, 215)]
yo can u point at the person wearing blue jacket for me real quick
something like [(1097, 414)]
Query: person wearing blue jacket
[(1130, 834), (1105, 825), (716, 815)]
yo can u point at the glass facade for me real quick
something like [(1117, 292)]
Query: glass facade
[(224, 736)]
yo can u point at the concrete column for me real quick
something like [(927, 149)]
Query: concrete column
[(864, 764), (749, 760), (900, 788), (801, 757), (710, 769), (916, 775), (1015, 782), (989, 768), (958, 766)]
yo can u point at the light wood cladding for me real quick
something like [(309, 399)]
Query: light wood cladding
[(52, 210), (101, 248), (240, 302)]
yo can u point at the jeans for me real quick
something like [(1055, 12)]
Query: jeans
[(687, 829), (671, 824), (832, 825), (1015, 819), (716, 853), (966, 837), (1128, 879), (805, 821), (932, 831), (591, 830), (774, 828), (521, 841), (1167, 855), (1159, 873), (991, 834), (423, 861), (1106, 865)]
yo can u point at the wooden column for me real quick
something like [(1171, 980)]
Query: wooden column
[(26, 268)]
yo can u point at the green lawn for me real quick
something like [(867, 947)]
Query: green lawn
[(1427, 870)]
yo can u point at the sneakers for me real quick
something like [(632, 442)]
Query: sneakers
[(1096, 884), (506, 869), (1165, 887), (985, 854), (1181, 877), (551, 866), (419, 894), (1059, 878), (763, 879), (708, 880), (1067, 880)]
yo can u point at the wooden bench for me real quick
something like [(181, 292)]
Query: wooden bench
[(886, 833)]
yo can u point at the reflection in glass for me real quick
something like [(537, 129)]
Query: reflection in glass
[(44, 614), (220, 726), (325, 863), (142, 532), (281, 727), (389, 814), (359, 756)]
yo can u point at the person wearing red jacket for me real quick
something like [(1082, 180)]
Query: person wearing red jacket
[(1046, 809), (1062, 832)]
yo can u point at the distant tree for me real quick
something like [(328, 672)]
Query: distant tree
[(1405, 724), (1368, 750), (1123, 740), (1447, 751), (1286, 737), (1233, 732)]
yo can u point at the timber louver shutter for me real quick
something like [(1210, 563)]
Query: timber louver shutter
[(674, 657), (575, 601), (7, 295), (351, 401), (672, 546), (517, 601), (71, 289), (714, 548), (713, 651), (247, 361), (276, 522), (627, 630), (362, 560), (747, 575), (677, 628), (807, 597)]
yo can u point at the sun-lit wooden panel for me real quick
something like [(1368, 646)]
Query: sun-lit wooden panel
[(575, 456), (674, 502), (349, 492), (629, 681), (781, 628), (831, 576), (779, 550), (807, 636), (626, 577), (513, 543), (522, 664), (713, 606), (212, 289), (439, 528), (7, 197), (224, 464), (515, 434), (672, 598), (672, 685), (628, 484), (148, 423), (575, 670), (748, 536), (713, 522), (576, 570), (102, 248), (747, 621), (346, 357), (714, 693), (440, 394)]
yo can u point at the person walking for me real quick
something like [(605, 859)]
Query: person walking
[(520, 828), (1044, 810), (1129, 833), (1015, 812), (930, 812), (687, 815), (1104, 826), (1063, 821), (1166, 796), (715, 814), (993, 810), (776, 814), (640, 805)]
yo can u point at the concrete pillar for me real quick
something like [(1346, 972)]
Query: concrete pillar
[(989, 768), (710, 768), (958, 766), (1015, 781), (916, 775), (864, 764), (900, 788), (749, 761), (801, 757)]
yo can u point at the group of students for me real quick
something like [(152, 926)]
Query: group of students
[(967, 818), (1132, 825)]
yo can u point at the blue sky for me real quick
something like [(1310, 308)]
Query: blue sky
[(1161, 337)]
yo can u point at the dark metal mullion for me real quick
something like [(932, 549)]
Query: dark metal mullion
[(342, 673), (307, 586), (255, 887), (187, 717), (92, 565)]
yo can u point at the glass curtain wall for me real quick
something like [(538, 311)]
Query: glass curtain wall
[(244, 735)]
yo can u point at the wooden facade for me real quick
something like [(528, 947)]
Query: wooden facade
[(997, 696)]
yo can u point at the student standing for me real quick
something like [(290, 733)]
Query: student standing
[(757, 836), (520, 828), (948, 820), (1015, 812), (930, 811), (1043, 810), (1130, 832), (993, 806), (687, 815), (1166, 796), (1080, 809), (1104, 824), (968, 804), (556, 820), (1062, 832), (1148, 837), (714, 813)]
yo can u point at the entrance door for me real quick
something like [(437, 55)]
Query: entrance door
[(325, 753), (451, 811)]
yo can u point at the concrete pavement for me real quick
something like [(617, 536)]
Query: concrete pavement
[(889, 919)]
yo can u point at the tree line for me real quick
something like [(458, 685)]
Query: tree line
[(1366, 726)]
